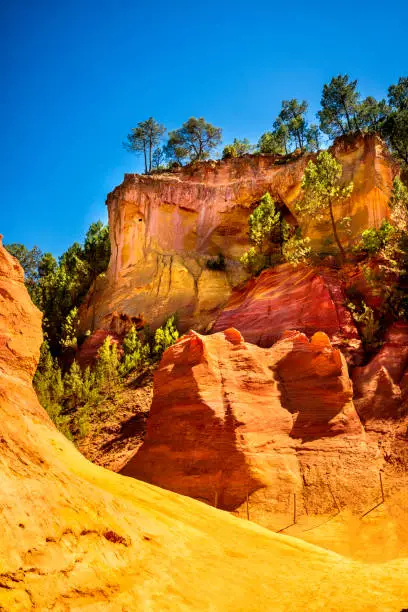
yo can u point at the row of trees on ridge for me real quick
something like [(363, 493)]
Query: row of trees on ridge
[(342, 112)]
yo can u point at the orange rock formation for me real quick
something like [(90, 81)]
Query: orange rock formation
[(285, 298), (165, 227), (231, 419), (75, 536)]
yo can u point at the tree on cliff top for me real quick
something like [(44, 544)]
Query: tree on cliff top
[(340, 101), (293, 116), (395, 127), (195, 140), (322, 189), (144, 138)]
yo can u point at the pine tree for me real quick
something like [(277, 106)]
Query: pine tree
[(322, 189)]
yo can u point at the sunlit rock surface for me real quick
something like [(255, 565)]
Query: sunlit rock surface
[(292, 298), (75, 536), (165, 227), (230, 419)]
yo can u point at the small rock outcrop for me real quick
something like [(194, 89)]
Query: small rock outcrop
[(230, 419)]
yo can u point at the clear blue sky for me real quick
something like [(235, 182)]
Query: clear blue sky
[(77, 75)]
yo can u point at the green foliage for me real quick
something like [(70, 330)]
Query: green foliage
[(369, 326), (237, 148), (97, 250), (29, 260), (195, 140), (135, 353), (313, 137), (275, 142), (371, 114), (293, 116), (49, 386), (340, 102), (296, 249), (254, 261), (107, 364), (145, 138), (322, 189), (373, 239), (58, 288), (264, 223), (399, 205), (266, 230), (216, 264), (165, 336), (69, 329)]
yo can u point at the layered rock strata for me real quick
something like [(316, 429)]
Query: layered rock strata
[(166, 227)]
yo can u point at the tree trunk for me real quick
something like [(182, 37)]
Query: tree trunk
[(336, 237), (150, 154), (145, 157)]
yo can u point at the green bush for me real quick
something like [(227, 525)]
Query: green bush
[(135, 353), (373, 239), (369, 326), (165, 336)]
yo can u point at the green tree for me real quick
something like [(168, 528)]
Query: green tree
[(195, 140), (135, 353), (97, 249), (340, 102), (106, 369), (144, 138), (69, 329), (313, 137), (398, 94), (372, 113), (47, 265), (237, 148), (48, 384), (322, 189), (265, 229), (293, 116), (275, 142), (74, 386), (395, 127), (29, 260)]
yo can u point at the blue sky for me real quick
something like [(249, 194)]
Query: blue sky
[(77, 75)]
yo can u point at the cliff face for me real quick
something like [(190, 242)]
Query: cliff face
[(75, 536), (165, 227)]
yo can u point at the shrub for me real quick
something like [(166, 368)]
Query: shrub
[(296, 249), (369, 326), (165, 336), (106, 370), (135, 353), (373, 240)]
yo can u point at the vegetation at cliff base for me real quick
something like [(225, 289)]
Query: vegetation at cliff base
[(72, 396), (57, 288)]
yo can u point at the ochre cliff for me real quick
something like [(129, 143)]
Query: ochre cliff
[(165, 227), (75, 536)]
